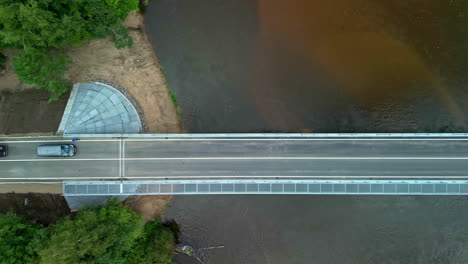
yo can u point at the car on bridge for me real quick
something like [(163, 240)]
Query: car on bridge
[(3, 150), (56, 150)]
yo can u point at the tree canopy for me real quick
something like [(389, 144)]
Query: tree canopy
[(155, 245), (109, 234), (46, 27), (103, 235), (45, 70), (19, 239), (94, 236)]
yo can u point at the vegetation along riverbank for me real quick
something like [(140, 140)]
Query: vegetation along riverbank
[(106, 234)]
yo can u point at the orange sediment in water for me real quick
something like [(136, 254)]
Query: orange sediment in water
[(356, 45)]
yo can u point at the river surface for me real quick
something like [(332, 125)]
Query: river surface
[(318, 66)]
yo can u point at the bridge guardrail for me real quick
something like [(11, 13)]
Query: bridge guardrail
[(253, 135), (314, 187)]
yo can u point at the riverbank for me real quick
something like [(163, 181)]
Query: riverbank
[(47, 208), (136, 69)]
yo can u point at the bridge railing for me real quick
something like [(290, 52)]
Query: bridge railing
[(249, 135), (311, 187)]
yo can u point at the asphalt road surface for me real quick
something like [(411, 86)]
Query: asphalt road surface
[(237, 158)]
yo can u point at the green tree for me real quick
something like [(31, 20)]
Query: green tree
[(96, 235), (155, 245), (44, 70), (45, 24), (42, 27), (20, 239)]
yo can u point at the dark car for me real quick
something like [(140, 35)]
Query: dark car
[(3, 150)]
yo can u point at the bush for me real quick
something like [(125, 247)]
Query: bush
[(44, 70), (20, 239)]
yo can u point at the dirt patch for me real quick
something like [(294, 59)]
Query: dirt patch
[(27, 110), (43, 208), (24, 109), (56, 188), (8, 79), (135, 69), (150, 206)]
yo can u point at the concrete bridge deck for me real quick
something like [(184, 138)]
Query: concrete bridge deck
[(250, 156)]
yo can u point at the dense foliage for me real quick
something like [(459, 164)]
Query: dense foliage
[(47, 27), (94, 236), (107, 234), (155, 245), (45, 70), (19, 239)]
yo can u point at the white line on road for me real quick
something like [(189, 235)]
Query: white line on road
[(241, 158), (252, 177), (59, 140), (303, 158), (240, 139), (305, 177), (297, 139), (33, 160)]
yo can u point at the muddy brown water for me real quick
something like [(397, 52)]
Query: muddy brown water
[(302, 65), (318, 66)]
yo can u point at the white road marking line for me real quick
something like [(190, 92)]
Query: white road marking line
[(298, 139), (40, 160), (58, 140), (299, 176), (240, 139), (240, 158), (250, 177), (302, 158)]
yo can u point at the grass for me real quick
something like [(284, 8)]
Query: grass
[(173, 99), (172, 95)]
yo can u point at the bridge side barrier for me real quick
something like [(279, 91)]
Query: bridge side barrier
[(311, 187), (252, 135)]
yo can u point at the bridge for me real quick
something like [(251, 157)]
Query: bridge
[(135, 164)]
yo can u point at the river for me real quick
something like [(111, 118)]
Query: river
[(318, 66)]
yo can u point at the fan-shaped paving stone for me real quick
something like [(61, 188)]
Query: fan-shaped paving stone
[(95, 108)]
